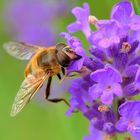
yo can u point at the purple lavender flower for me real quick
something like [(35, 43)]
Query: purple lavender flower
[(111, 73), (124, 13), (130, 117), (32, 22), (105, 37), (107, 84), (102, 118), (81, 23)]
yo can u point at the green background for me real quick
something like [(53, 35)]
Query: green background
[(40, 121)]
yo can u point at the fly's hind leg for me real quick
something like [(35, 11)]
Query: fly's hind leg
[(47, 93)]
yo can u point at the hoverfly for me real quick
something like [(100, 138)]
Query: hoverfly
[(43, 64)]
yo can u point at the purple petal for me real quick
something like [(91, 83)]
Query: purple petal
[(135, 22), (107, 42), (73, 27), (107, 97), (94, 134), (137, 78), (130, 90), (129, 108), (122, 124), (107, 35), (109, 127), (73, 105), (98, 52), (76, 65), (107, 75), (117, 89), (72, 41), (81, 23), (81, 12), (122, 11), (95, 91), (131, 70), (93, 64)]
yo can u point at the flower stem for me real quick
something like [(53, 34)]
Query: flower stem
[(115, 105)]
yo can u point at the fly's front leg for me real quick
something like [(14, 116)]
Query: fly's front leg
[(59, 76), (47, 93), (66, 75), (63, 70)]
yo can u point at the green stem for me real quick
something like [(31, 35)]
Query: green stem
[(115, 105)]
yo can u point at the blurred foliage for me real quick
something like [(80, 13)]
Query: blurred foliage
[(38, 121)]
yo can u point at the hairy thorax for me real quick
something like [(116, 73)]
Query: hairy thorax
[(47, 60)]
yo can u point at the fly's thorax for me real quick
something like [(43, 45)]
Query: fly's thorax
[(55, 70), (47, 59)]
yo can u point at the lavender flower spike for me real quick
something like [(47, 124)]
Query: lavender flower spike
[(105, 92)]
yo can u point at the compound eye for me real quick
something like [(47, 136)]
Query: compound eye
[(69, 50)]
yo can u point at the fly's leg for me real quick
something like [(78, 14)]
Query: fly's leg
[(63, 70), (59, 76), (47, 93), (64, 74)]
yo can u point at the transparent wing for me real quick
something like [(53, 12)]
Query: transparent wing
[(27, 90), (20, 51)]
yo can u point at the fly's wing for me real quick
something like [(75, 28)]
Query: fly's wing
[(20, 51), (27, 90)]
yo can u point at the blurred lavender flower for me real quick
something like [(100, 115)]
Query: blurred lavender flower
[(34, 21), (110, 76)]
